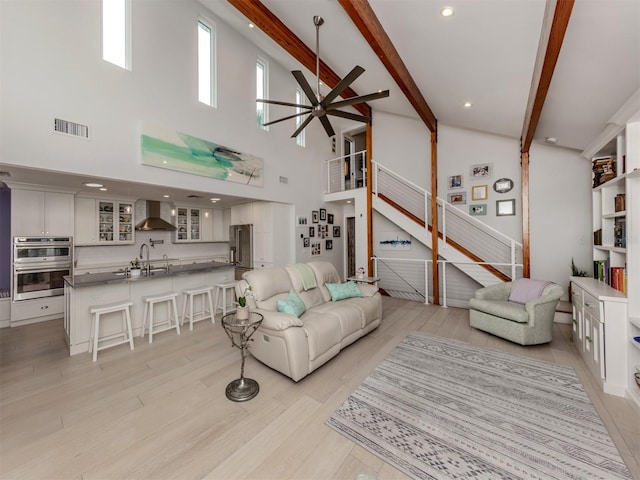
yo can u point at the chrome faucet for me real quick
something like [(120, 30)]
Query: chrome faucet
[(166, 262), (147, 267)]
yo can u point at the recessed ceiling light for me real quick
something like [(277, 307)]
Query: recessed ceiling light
[(166, 196), (467, 104), (214, 199), (93, 184), (447, 11), (103, 189), (251, 25)]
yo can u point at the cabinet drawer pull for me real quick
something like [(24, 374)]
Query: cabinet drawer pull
[(44, 307)]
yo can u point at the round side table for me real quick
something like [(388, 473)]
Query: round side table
[(240, 331)]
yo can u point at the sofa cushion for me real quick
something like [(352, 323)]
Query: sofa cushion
[(348, 314), (267, 282), (501, 308), (292, 305), (341, 291), (324, 272), (323, 331)]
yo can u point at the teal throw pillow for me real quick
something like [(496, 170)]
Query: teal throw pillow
[(292, 305), (341, 291)]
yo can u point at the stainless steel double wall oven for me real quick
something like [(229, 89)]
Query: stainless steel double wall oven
[(39, 265)]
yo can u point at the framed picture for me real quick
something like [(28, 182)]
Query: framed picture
[(503, 185), (478, 209), (315, 216), (302, 220), (312, 231), (505, 207), (328, 244), (454, 181), (336, 231), (323, 215), (330, 218), (482, 170), (457, 198), (306, 242), (479, 192), (315, 249)]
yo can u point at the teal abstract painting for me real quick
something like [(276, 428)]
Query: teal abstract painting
[(173, 150)]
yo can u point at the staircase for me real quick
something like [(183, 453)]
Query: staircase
[(471, 253)]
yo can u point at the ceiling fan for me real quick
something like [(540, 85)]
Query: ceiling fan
[(322, 106)]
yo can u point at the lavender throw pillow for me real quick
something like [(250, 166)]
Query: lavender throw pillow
[(525, 289)]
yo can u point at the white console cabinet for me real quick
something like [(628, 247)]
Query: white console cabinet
[(599, 331)]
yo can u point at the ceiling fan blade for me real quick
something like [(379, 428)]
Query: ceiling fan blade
[(285, 118), (350, 116), (306, 88), (356, 100), (286, 104), (327, 125), (342, 85), (302, 126)]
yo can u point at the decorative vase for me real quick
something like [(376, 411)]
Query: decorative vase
[(242, 313)]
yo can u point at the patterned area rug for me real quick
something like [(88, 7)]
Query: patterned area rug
[(437, 408)]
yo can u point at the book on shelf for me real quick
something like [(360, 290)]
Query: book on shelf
[(620, 232), (615, 277)]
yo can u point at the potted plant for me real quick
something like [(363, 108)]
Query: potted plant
[(135, 267), (242, 312)]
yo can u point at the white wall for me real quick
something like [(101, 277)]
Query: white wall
[(53, 67), (560, 206)]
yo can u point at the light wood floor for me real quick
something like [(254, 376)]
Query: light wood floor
[(160, 411)]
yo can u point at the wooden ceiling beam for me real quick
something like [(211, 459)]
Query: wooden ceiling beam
[(371, 29), (554, 26), (258, 14)]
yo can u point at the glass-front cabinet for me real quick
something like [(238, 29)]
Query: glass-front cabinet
[(193, 224), (104, 222)]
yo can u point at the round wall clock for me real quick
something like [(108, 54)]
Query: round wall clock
[(503, 185)]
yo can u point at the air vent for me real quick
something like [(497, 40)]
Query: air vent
[(70, 128)]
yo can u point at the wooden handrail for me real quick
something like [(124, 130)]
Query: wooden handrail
[(472, 256)]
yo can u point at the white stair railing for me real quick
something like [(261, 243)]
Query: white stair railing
[(493, 247), (347, 172)]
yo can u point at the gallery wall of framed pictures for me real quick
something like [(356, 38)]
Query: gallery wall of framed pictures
[(317, 231), (479, 183)]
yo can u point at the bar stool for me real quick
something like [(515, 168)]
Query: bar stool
[(98, 310), (172, 311), (222, 288), (203, 314)]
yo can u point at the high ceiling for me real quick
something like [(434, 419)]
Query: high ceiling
[(484, 54)]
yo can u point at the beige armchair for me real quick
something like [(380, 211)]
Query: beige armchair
[(529, 323)]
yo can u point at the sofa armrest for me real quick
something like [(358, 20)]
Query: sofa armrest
[(552, 293), (367, 290), (278, 320), (499, 291)]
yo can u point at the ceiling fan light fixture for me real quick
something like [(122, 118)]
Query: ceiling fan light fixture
[(447, 11)]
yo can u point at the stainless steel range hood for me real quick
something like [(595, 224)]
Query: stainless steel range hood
[(153, 220)]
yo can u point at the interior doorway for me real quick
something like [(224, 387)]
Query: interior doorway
[(351, 245), (354, 154)]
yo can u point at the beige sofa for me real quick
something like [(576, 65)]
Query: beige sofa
[(297, 346)]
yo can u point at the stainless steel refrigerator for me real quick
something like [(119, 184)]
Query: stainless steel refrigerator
[(241, 248)]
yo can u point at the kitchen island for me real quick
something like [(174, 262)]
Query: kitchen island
[(85, 290)]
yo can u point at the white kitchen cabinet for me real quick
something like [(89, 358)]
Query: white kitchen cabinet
[(242, 214), (193, 225), (221, 222), (40, 213), (104, 222), (206, 223), (37, 310)]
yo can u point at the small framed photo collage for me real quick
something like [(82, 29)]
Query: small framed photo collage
[(318, 231), (479, 191)]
